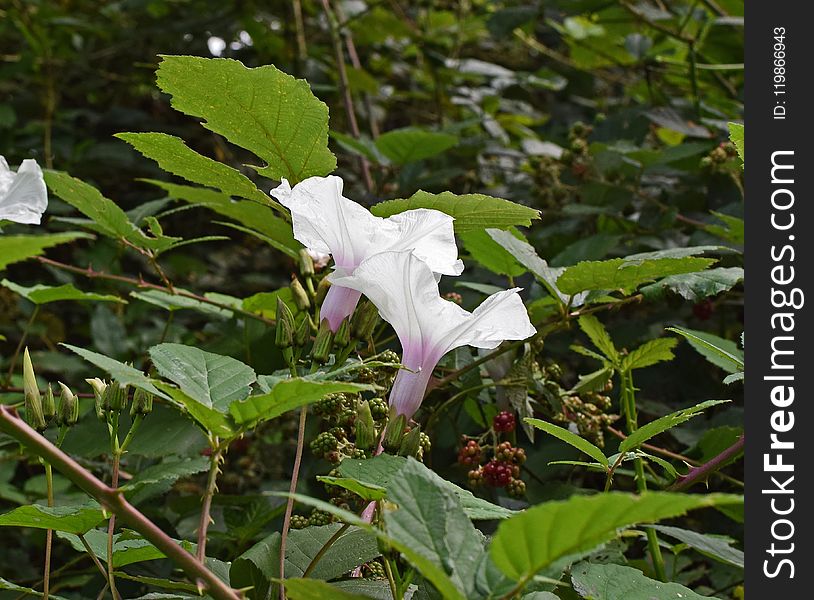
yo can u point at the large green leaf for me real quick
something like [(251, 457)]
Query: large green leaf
[(430, 521), (16, 248), (534, 539), (718, 351), (257, 217), (615, 582), (214, 380), (174, 156), (286, 395), (262, 110), (696, 286), (410, 144), (210, 419), (625, 274), (71, 519), (472, 212), (124, 374), (649, 353), (23, 591), (313, 589), (490, 254), (43, 294), (717, 547), (128, 546), (653, 428), (573, 439)]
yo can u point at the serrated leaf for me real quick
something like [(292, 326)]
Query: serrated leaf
[(71, 519), (262, 110), (472, 212), (534, 539), (124, 374), (411, 144), (17, 248), (174, 156), (313, 589), (258, 217), (173, 302), (625, 274), (490, 254), (169, 470), (615, 582), (593, 381), (43, 294), (732, 231), (367, 491), (736, 136), (287, 395), (597, 333), (717, 547), (696, 286), (23, 591), (572, 439), (214, 380), (527, 256), (649, 353), (652, 429), (718, 351), (729, 379), (211, 420)]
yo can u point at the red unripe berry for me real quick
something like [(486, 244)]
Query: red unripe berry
[(497, 474), (504, 421)]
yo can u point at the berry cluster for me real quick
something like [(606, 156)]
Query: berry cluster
[(589, 413), (721, 158), (578, 156), (317, 518), (504, 422), (503, 470)]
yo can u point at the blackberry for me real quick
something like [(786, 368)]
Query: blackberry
[(320, 517), (374, 570), (504, 422), (379, 408), (475, 477), (516, 488), (324, 443), (329, 405), (504, 452), (497, 474), (299, 522), (389, 356)]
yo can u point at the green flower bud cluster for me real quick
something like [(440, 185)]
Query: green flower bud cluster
[(42, 409)]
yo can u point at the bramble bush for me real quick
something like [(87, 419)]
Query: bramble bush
[(430, 300)]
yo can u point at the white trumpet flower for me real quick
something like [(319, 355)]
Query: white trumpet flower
[(325, 221), (405, 291), (23, 195)]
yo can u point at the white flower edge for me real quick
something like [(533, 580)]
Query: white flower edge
[(23, 195)]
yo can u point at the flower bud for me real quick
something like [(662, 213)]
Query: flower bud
[(411, 443), (68, 413), (322, 290), (323, 343), (303, 332), (49, 407), (284, 336), (142, 403), (365, 428), (364, 321), (299, 294), (33, 400), (115, 397), (99, 388), (394, 432), (306, 263), (342, 336)]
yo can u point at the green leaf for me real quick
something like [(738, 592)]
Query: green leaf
[(652, 429), (313, 589), (105, 214), (379, 471), (262, 110), (573, 439), (173, 302), (527, 256), (411, 144), (696, 286), (43, 294), (71, 519), (599, 336), (214, 380), (593, 381), (24, 591), (17, 248), (649, 353), (732, 231), (258, 217), (534, 539), (736, 135), (430, 521), (168, 471), (367, 491), (129, 547), (717, 547), (287, 395), (124, 374), (210, 419), (720, 352), (625, 274), (472, 212), (615, 582), (490, 254), (174, 156)]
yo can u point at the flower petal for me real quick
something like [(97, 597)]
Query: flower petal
[(326, 221), (23, 196), (428, 233)]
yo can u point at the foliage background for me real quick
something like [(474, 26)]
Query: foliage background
[(653, 83)]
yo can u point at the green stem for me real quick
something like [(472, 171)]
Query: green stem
[(325, 547), (113, 501), (209, 493), (111, 527), (629, 404), (289, 507), (49, 534)]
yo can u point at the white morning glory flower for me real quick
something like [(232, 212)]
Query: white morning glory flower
[(325, 221), (405, 291), (23, 195)]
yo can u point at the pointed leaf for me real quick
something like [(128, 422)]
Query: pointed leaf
[(573, 439), (615, 582), (716, 350), (652, 429), (649, 353), (17, 248)]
